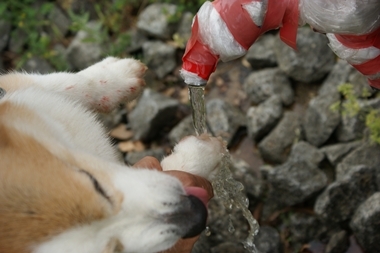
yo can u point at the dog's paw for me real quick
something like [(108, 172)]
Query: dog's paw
[(113, 81), (198, 155)]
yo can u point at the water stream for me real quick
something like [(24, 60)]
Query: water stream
[(225, 187)]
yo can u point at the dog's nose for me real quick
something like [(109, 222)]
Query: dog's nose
[(190, 216)]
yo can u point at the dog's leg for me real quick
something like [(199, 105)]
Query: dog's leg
[(101, 87), (198, 155)]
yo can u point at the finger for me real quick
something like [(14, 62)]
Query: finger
[(148, 162)]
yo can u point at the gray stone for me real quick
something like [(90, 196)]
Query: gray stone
[(86, 48), (261, 85), (338, 75), (37, 65), (341, 198), (276, 145), (5, 32), (184, 128), (303, 151), (293, 182), (262, 118), (367, 154), (133, 157), (59, 21), (261, 53), (365, 224), (320, 121), (159, 57), (152, 114), (137, 39), (155, 20), (224, 119), (228, 247), (338, 243), (268, 240), (312, 60), (361, 87), (184, 26), (247, 175), (336, 152)]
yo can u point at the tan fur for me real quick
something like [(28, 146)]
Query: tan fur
[(59, 196)]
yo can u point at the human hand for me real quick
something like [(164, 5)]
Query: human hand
[(187, 180)]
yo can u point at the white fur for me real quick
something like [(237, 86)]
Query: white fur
[(66, 125)]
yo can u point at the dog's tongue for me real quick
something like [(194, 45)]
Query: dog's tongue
[(198, 192)]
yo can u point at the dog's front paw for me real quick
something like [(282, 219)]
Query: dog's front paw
[(198, 155), (113, 81)]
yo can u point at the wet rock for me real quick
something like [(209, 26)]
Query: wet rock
[(159, 57), (261, 54), (292, 183), (367, 154), (276, 145), (260, 85), (224, 119), (81, 52), (242, 172), (341, 198), (134, 157), (182, 129), (312, 60), (153, 113), (59, 21), (338, 243), (5, 32), (262, 118), (268, 240), (228, 247), (37, 65), (365, 223), (336, 152), (155, 20)]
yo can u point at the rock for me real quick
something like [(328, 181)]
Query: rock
[(367, 154), (312, 60), (262, 118), (262, 84), (137, 39), (86, 48), (133, 157), (242, 172), (228, 247), (159, 57), (155, 20), (338, 243), (268, 240), (153, 113), (5, 32), (261, 54), (303, 151), (184, 26), (37, 65), (320, 120), (360, 83), (365, 223), (294, 182), (341, 198), (224, 119), (59, 22), (182, 129), (338, 75), (336, 152), (276, 145)]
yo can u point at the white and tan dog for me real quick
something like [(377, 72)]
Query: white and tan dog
[(61, 187)]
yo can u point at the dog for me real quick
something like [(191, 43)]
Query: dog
[(62, 187)]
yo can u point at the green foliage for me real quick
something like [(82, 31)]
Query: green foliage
[(351, 108)]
